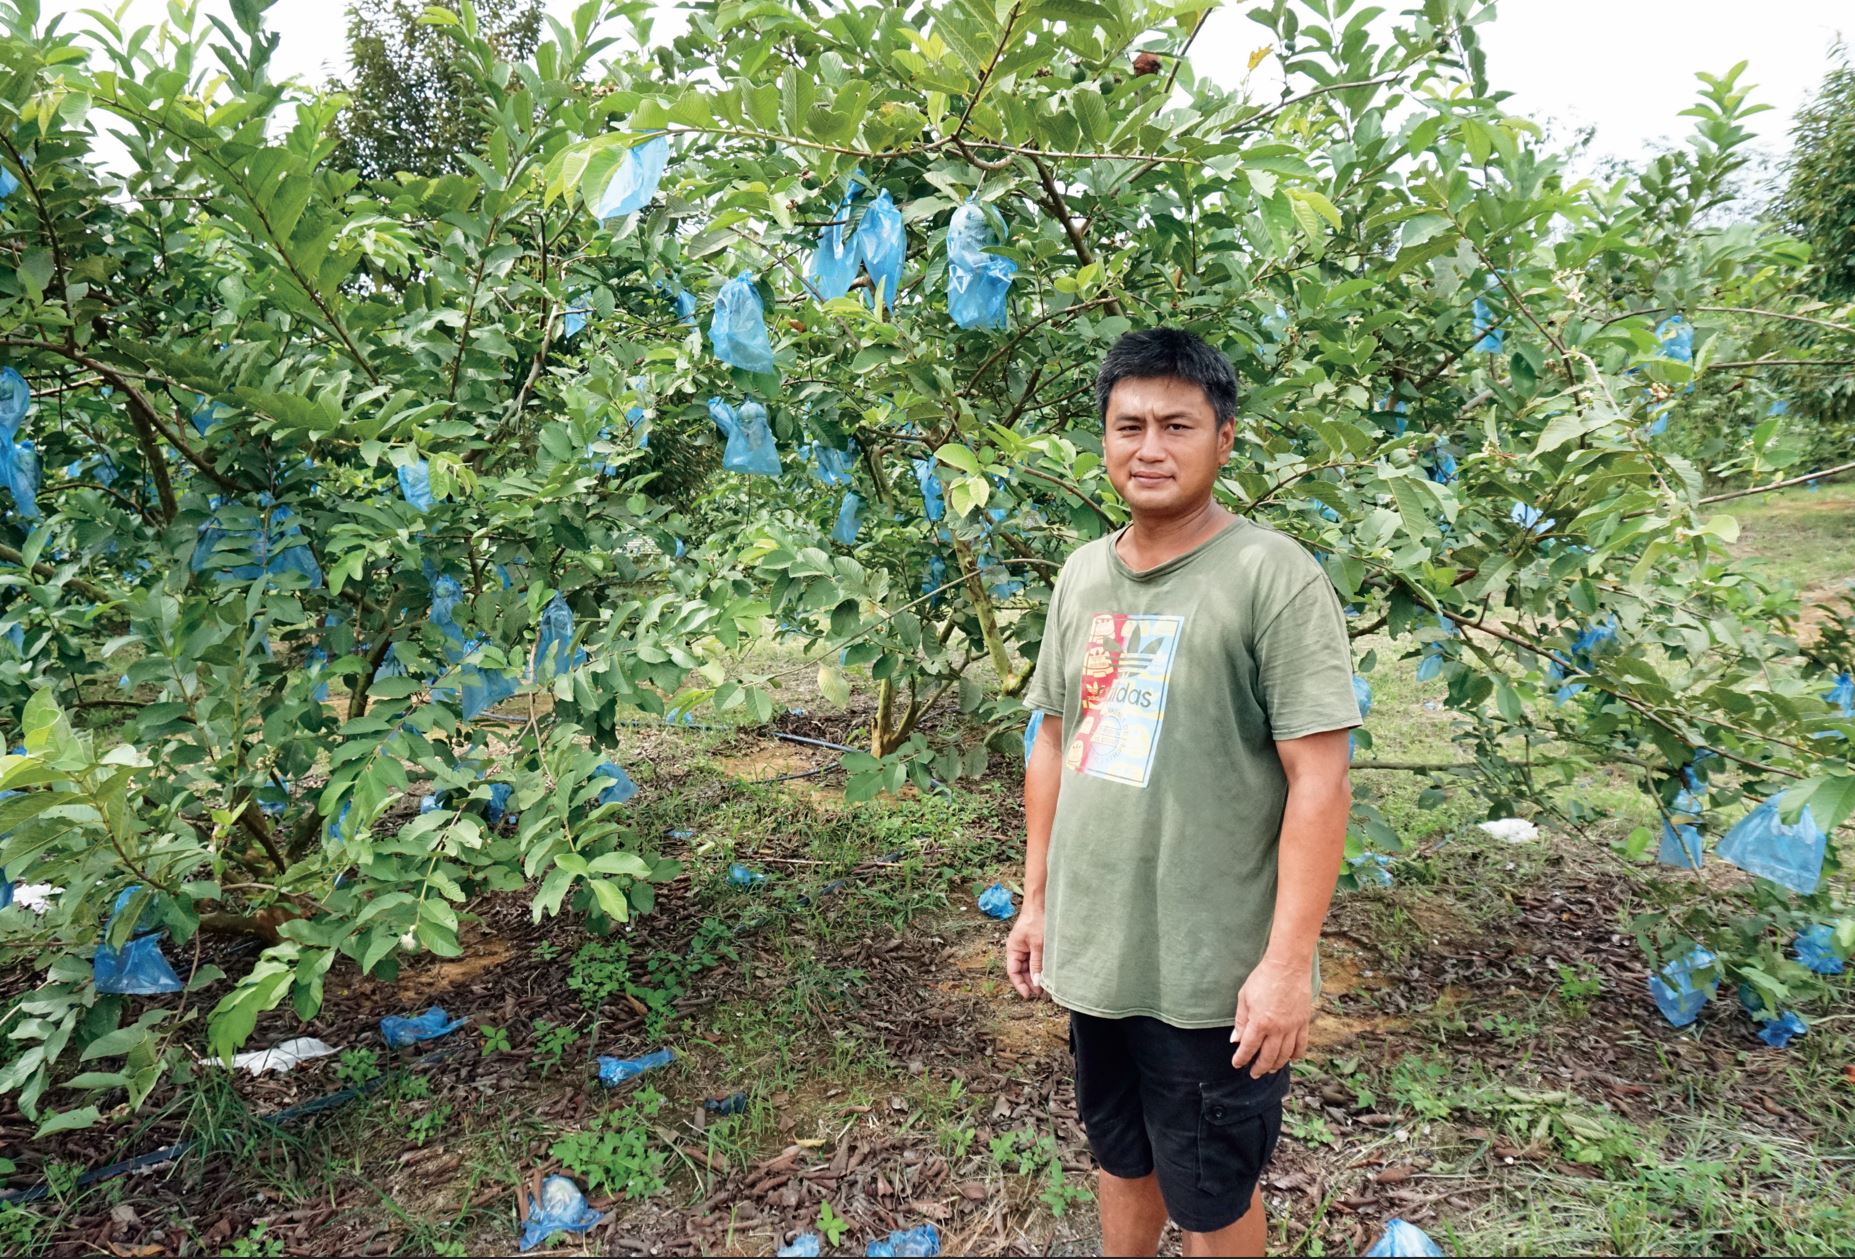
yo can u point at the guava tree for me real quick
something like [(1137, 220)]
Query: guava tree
[(373, 511)]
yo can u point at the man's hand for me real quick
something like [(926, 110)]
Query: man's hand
[(1273, 1010), (1024, 952)]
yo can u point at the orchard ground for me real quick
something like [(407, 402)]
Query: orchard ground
[(1486, 1063)]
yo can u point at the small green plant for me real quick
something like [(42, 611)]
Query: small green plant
[(21, 1232), (1310, 1129), (547, 951), (1577, 985), (424, 1127), (956, 1139), (357, 1067), (831, 1224), (616, 1153), (255, 1243), (599, 971), (1029, 1154), (551, 1043), (452, 1249), (495, 1040)]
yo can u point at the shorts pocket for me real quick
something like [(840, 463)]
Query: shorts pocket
[(1237, 1132)]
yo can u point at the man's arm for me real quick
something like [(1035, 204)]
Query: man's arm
[(1277, 1001), (1024, 947)]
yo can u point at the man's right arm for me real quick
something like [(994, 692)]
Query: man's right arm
[(1043, 774)]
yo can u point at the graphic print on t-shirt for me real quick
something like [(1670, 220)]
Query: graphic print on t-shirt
[(1125, 669)]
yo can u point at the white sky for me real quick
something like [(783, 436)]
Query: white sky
[(1626, 66)]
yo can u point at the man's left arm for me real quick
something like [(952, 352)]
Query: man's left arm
[(1277, 1000)]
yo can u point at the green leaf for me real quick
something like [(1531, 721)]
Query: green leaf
[(1833, 801), (833, 685), (68, 1121)]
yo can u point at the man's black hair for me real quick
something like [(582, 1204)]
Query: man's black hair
[(1174, 352)]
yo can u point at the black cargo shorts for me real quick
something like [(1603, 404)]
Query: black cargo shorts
[(1158, 1098)]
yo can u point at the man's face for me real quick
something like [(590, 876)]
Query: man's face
[(1163, 445)]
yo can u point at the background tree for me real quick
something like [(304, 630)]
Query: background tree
[(411, 106)]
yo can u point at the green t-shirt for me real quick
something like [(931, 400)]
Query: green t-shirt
[(1173, 685)]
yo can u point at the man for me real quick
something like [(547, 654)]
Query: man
[(1185, 808)]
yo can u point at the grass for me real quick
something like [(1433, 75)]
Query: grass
[(1799, 535)]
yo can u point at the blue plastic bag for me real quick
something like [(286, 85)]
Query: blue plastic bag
[(615, 1071), (740, 876), (635, 181), (573, 319), (562, 1209), (830, 465), (622, 788), (924, 1240), (1492, 338), (737, 330), (19, 468), (1677, 337), (1404, 1241), (554, 650), (9, 183), (496, 808), (750, 449), (1815, 947), (1675, 992), (732, 1104), (399, 1032), (15, 399), (978, 283), (1031, 728), (833, 265), (1441, 466), (1841, 696), (804, 1246), (1528, 517), (936, 578), (415, 484), (1362, 696), (1434, 653), (680, 298), (139, 968), (995, 902), (933, 498), (1762, 844), (1781, 1031), (1371, 869), (205, 414), (446, 594), (882, 244), (1680, 846), (849, 519)]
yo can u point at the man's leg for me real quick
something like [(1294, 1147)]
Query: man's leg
[(1248, 1236), (1132, 1214)]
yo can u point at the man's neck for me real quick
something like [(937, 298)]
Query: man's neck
[(1151, 541)]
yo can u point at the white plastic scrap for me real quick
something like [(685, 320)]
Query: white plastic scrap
[(1515, 830), (35, 896), (280, 1058)]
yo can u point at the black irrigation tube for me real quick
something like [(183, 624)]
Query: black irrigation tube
[(158, 1158)]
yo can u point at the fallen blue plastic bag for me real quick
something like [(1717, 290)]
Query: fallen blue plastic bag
[(415, 484), (882, 244), (562, 1209), (737, 330), (1404, 1241), (635, 181), (924, 1240), (978, 283), (1031, 728), (615, 1071), (740, 876), (1762, 844), (1371, 869), (804, 1246), (554, 652), (399, 1032), (732, 1104), (749, 447), (622, 788), (139, 968), (1815, 947), (995, 902), (1781, 1031), (849, 519), (1680, 846), (933, 498), (1675, 992)]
